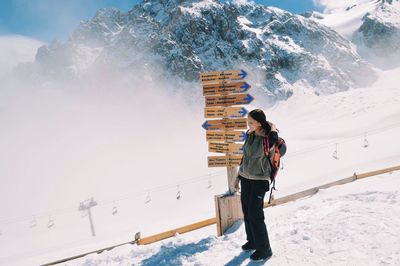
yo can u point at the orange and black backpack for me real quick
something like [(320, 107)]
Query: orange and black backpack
[(280, 151)]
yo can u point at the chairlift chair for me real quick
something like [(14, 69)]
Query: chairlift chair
[(335, 153), (33, 223), (365, 143), (148, 198), (114, 210), (178, 194), (50, 224)]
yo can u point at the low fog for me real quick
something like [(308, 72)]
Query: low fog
[(102, 136)]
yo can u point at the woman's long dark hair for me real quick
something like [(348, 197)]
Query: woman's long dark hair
[(259, 116)]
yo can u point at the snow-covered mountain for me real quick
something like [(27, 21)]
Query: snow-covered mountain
[(374, 26), (187, 37)]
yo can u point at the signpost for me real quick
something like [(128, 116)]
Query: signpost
[(223, 147), (224, 161), (228, 100), (225, 124), (218, 76), (221, 112), (223, 91), (228, 136), (225, 88)]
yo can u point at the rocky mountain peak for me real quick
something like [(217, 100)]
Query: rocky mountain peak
[(188, 37)]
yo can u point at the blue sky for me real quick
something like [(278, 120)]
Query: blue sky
[(46, 20)]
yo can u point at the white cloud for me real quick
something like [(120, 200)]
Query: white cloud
[(15, 49), (331, 6)]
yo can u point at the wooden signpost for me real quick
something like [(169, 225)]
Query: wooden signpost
[(223, 91), (223, 147), (222, 161), (219, 76), (225, 124), (228, 100), (225, 88), (221, 112), (227, 136)]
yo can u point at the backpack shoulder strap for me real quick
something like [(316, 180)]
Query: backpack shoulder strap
[(266, 145)]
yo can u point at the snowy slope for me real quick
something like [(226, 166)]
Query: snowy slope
[(374, 26), (353, 224), (347, 20)]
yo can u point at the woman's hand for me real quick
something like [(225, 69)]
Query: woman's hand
[(236, 184)]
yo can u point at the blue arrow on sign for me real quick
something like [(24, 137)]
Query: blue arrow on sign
[(243, 74), (206, 125), (245, 87), (244, 136), (249, 98), (243, 111)]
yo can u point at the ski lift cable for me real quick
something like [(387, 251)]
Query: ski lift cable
[(4, 221), (353, 138), (13, 220)]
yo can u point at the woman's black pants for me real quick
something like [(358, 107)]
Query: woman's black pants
[(252, 198)]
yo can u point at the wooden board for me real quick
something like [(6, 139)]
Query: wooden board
[(226, 136), (224, 147), (377, 172), (292, 197), (225, 124), (228, 211), (224, 161), (223, 88), (180, 230), (228, 100), (232, 173), (223, 112), (218, 76)]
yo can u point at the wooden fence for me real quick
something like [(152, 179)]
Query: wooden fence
[(275, 202)]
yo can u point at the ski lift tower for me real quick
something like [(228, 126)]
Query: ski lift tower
[(86, 206)]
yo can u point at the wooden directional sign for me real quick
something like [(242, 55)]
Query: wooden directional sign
[(218, 76), (224, 147), (228, 100), (225, 124), (225, 88), (227, 136), (221, 112), (223, 161)]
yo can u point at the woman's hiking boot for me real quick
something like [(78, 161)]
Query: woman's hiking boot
[(259, 255), (248, 246)]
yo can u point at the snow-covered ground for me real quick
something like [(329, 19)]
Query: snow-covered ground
[(353, 224)]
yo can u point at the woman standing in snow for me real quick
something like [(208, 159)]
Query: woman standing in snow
[(254, 176)]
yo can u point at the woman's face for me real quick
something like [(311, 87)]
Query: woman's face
[(253, 124)]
